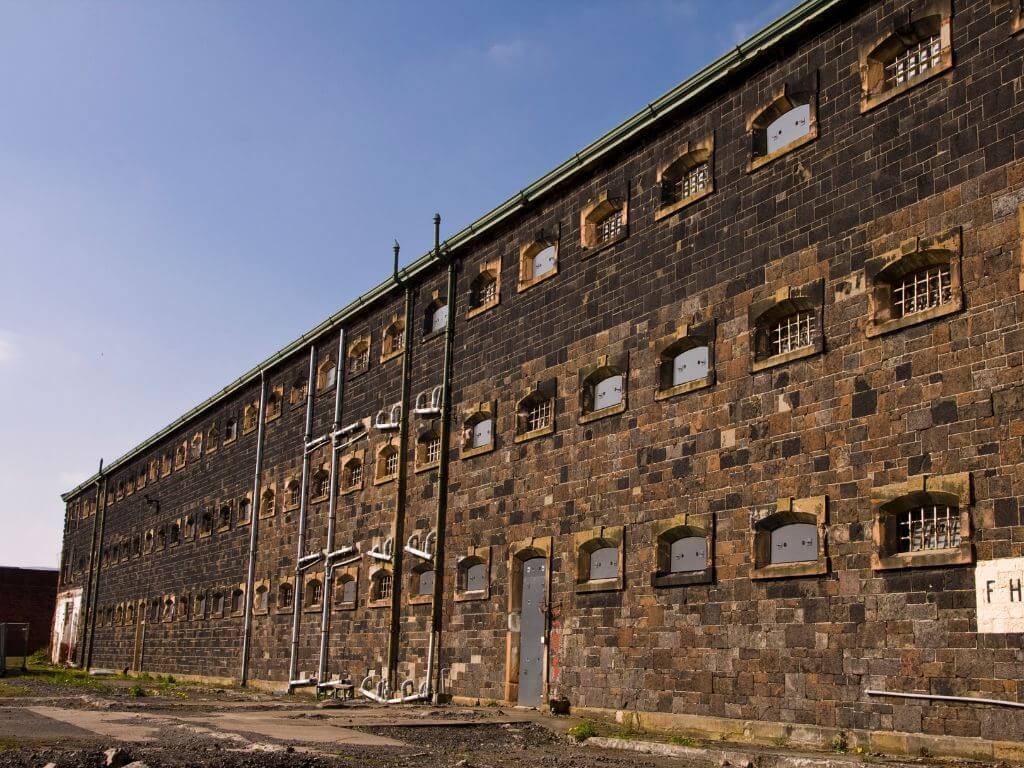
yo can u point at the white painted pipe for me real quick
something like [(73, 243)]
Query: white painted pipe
[(956, 699)]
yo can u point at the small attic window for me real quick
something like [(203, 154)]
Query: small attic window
[(297, 393), (326, 375), (787, 128), (485, 290), (359, 357), (687, 178)]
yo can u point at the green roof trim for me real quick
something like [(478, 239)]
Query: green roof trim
[(683, 94)]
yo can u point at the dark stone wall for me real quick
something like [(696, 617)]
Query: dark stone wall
[(866, 412), (28, 595)]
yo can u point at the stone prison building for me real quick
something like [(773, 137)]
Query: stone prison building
[(719, 423)]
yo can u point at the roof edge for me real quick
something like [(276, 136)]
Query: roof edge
[(684, 93)]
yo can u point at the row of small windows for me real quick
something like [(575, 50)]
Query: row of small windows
[(922, 522), (909, 55)]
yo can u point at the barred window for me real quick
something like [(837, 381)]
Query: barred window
[(539, 415), (292, 493), (691, 182), (359, 360), (321, 485), (434, 450), (391, 464), (922, 290), (488, 292), (610, 227), (792, 332), (284, 595), (915, 60), (930, 527), (382, 583), (353, 473)]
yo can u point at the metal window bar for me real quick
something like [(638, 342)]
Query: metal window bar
[(488, 292), (915, 60), (693, 181), (922, 290), (609, 227), (391, 464), (384, 585), (355, 475), (434, 450), (792, 332), (930, 527), (360, 362), (539, 415)]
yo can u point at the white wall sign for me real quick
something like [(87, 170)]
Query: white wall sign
[(999, 587)]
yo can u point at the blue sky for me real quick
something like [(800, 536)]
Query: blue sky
[(187, 186)]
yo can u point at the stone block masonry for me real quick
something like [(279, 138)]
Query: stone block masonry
[(735, 408)]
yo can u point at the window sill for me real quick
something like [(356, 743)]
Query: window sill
[(469, 597), (259, 611), (600, 585), (242, 523), (202, 535), (876, 328), (298, 404), (788, 357), (542, 432), (760, 162), (426, 467), (669, 210), (593, 250), (318, 499), (344, 606), (230, 441), (384, 480), (421, 599), (282, 610), (324, 390), (248, 431), (791, 570), (480, 450), (385, 603), (613, 410), (428, 337), (1018, 25), (271, 417), (265, 515), (353, 489), (869, 102), (962, 555), (527, 283), (317, 608), (682, 579), (682, 389), (482, 308)]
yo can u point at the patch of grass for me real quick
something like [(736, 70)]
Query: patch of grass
[(840, 743), (780, 741), (136, 691), (682, 741), (583, 730), (61, 676), (7, 690)]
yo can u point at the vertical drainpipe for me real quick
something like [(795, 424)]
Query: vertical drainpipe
[(332, 502), (307, 437), (254, 525), (95, 561), (440, 521), (398, 526)]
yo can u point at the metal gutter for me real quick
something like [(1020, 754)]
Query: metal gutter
[(684, 94)]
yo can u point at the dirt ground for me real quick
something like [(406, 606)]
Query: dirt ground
[(70, 719)]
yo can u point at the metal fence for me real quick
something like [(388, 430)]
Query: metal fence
[(13, 644)]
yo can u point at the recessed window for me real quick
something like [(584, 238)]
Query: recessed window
[(292, 493), (381, 585), (604, 221), (275, 401), (244, 510), (789, 539), (603, 388), (471, 577), (599, 559), (478, 429), (908, 55), (237, 601), (688, 554), (352, 474), (917, 282), (250, 416), (786, 326), (787, 123), (394, 339), (387, 464), (212, 438), (206, 524), (538, 260), (422, 578), (434, 449), (428, 447), (320, 485), (436, 315), (535, 413), (313, 594), (297, 394), (219, 603), (230, 430), (261, 599), (326, 375), (268, 503), (345, 591), (359, 356), (485, 288), (285, 595), (190, 527), (689, 177), (224, 518), (924, 521)]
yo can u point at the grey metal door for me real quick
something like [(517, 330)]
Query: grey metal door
[(531, 632)]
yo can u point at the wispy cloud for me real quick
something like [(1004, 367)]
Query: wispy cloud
[(8, 349), (507, 53)]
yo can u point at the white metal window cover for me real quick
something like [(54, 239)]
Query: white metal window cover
[(935, 526), (915, 60), (922, 290), (544, 261), (329, 375), (482, 433), (609, 227), (786, 129), (604, 564), (476, 577), (425, 585), (439, 318), (688, 554), (608, 392), (539, 415), (792, 332), (794, 543), (348, 591), (690, 365)]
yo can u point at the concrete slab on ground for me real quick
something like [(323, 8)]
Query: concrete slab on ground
[(281, 726), (123, 726)]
